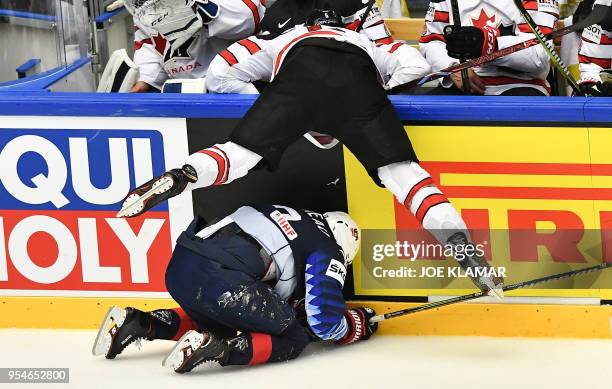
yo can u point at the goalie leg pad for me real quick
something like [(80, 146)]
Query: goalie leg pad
[(221, 164), (120, 73)]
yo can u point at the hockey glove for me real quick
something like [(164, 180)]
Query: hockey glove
[(590, 88), (593, 88), (470, 42), (607, 22), (606, 83), (584, 9), (359, 326)]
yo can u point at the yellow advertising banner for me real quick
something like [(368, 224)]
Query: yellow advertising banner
[(510, 184)]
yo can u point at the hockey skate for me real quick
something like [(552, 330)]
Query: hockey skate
[(493, 286), (159, 189), (120, 328), (195, 348)]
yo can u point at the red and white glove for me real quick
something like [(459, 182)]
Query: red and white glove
[(359, 326)]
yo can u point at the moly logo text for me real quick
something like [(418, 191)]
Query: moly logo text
[(59, 192)]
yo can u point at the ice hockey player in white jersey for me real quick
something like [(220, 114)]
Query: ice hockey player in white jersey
[(595, 54), (332, 79), (253, 59), (489, 25), (178, 39), (242, 273)]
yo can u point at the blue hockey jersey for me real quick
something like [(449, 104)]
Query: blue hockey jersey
[(309, 263)]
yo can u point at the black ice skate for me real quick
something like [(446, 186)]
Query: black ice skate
[(493, 285), (120, 328), (195, 348), (159, 189)]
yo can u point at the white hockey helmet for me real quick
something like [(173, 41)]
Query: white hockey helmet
[(346, 232), (175, 20)]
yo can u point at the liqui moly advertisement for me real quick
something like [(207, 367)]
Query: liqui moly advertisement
[(62, 181)]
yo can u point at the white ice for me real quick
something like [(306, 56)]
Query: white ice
[(382, 362)]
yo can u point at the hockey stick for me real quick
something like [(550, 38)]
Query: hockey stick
[(465, 79), (458, 299), (594, 17), (365, 15), (548, 47)]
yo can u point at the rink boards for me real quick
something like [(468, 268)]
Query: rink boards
[(505, 163)]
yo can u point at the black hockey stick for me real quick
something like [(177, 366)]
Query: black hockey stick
[(465, 78), (595, 17), (458, 299), (365, 15), (548, 47)]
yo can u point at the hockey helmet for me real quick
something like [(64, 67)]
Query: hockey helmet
[(346, 232), (175, 20), (324, 17)]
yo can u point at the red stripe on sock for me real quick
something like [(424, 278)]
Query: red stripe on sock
[(186, 323), (220, 165), (429, 203), (226, 164), (427, 181), (262, 348)]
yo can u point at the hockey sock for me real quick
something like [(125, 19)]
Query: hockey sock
[(255, 348), (412, 186), (221, 164), (169, 324)]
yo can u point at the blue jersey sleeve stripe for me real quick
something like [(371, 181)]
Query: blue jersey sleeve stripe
[(324, 299)]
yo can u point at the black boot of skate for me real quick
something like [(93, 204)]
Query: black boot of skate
[(120, 328), (159, 189), (195, 348), (490, 284)]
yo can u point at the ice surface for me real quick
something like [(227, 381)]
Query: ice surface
[(382, 362)]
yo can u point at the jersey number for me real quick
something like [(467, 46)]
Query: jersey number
[(290, 214)]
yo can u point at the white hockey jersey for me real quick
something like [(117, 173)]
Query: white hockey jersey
[(595, 52), (252, 59), (526, 68), (157, 61)]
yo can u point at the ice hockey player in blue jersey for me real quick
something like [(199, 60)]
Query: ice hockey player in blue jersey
[(238, 282)]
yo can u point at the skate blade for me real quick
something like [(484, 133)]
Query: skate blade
[(135, 207), (114, 315), (189, 342)]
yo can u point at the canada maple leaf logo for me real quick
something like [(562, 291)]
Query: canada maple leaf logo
[(483, 19)]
